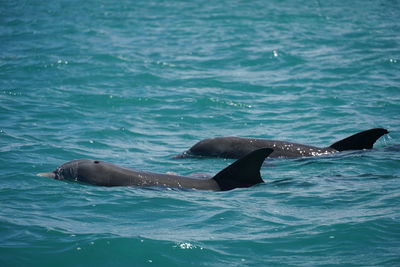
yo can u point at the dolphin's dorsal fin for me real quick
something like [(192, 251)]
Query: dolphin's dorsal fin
[(244, 172), (361, 140)]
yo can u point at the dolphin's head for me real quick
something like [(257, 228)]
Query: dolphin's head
[(82, 170), (67, 171)]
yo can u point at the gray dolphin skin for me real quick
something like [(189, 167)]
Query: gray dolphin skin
[(236, 147), (244, 172)]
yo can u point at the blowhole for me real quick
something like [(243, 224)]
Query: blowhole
[(96, 161)]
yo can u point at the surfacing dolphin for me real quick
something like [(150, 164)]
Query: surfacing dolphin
[(236, 147), (244, 172)]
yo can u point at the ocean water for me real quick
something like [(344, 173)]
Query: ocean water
[(137, 82)]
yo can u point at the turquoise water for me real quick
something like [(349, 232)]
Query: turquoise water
[(137, 82)]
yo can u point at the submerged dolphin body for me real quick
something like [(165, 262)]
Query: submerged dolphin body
[(236, 147), (244, 172)]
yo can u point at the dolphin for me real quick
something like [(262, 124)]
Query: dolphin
[(244, 172), (236, 147)]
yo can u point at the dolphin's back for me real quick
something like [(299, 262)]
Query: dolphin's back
[(236, 147), (107, 174)]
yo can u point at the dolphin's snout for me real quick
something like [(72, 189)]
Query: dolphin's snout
[(47, 174)]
